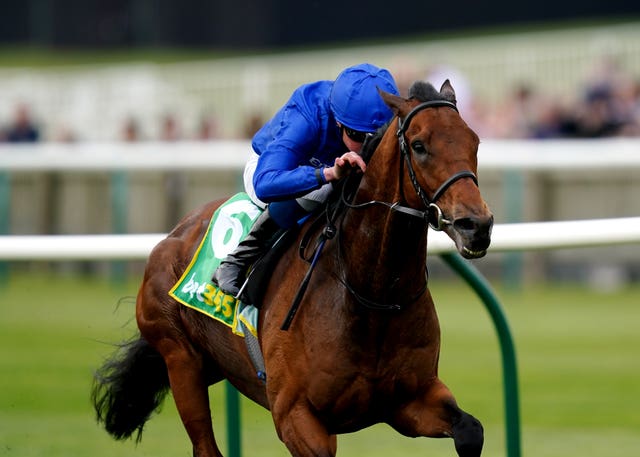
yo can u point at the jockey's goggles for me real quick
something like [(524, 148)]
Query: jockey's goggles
[(355, 135)]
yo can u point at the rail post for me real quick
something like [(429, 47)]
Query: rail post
[(119, 189), (509, 368), (232, 400), (5, 218)]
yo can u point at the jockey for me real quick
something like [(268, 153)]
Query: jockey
[(312, 140)]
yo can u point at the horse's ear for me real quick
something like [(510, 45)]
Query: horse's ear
[(447, 91), (394, 102)]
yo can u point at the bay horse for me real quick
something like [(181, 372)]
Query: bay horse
[(364, 345)]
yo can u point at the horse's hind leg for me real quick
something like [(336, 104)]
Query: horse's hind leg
[(437, 415), (191, 396), (185, 368)]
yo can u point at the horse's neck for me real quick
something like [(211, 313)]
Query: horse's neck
[(384, 250)]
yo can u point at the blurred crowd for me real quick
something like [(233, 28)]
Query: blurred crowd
[(24, 128), (606, 105)]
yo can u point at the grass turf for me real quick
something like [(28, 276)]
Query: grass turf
[(577, 355)]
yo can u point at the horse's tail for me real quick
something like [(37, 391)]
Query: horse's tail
[(129, 387)]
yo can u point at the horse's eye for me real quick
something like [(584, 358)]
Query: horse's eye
[(418, 147)]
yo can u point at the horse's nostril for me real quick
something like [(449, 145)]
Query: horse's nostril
[(478, 226), (465, 224)]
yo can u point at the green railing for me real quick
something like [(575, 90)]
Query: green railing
[(232, 399), (5, 215), (507, 347)]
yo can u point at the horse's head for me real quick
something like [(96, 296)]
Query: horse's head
[(440, 158)]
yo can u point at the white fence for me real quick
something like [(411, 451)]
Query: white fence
[(562, 156), (506, 237)]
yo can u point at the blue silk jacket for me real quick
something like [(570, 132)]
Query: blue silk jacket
[(302, 137)]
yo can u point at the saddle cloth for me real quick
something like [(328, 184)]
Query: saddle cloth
[(229, 225)]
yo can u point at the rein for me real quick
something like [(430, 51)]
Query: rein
[(330, 231)]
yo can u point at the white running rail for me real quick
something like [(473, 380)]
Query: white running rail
[(506, 237)]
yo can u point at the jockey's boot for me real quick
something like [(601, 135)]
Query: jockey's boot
[(231, 273)]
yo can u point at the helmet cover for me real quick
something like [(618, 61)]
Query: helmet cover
[(354, 98)]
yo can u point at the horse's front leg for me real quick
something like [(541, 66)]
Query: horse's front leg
[(436, 414), (302, 433)]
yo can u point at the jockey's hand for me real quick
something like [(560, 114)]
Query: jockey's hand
[(344, 163)]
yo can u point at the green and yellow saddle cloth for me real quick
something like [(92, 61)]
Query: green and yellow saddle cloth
[(229, 225)]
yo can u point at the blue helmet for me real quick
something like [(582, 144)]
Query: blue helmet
[(354, 98)]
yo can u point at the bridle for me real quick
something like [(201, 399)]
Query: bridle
[(432, 214)]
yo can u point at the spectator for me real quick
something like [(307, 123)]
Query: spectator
[(605, 106), (130, 131), (169, 129), (23, 129), (594, 116), (252, 125), (632, 98), (207, 128)]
